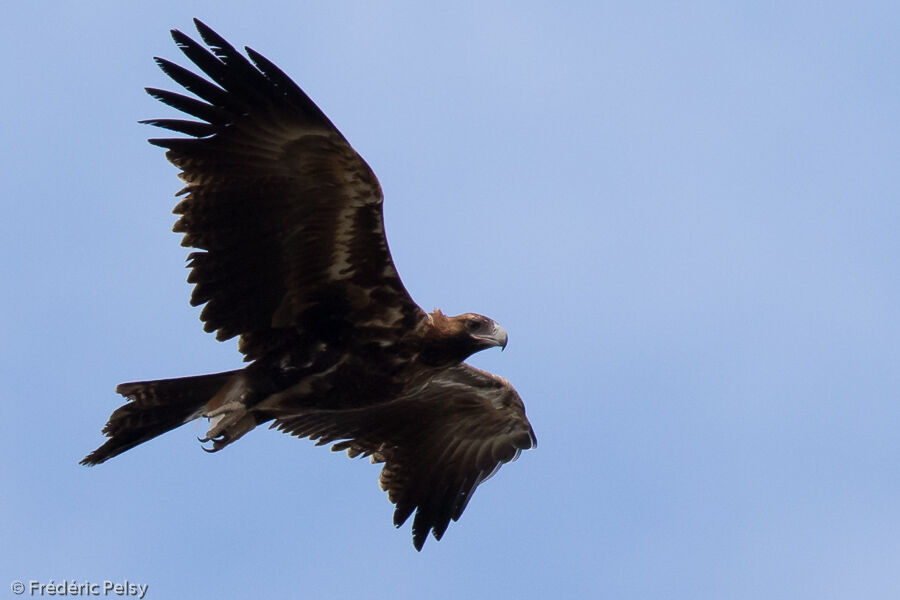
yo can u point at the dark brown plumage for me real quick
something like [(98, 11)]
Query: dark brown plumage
[(291, 255)]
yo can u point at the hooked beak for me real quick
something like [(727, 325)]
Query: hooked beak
[(497, 337)]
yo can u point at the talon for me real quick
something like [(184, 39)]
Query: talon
[(227, 423), (213, 437)]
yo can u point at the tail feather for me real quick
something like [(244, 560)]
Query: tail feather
[(153, 408)]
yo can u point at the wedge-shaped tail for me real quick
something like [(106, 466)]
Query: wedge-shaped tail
[(153, 408)]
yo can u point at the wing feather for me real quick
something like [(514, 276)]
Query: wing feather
[(191, 106), (286, 218), (437, 444)]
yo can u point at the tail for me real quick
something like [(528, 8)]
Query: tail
[(153, 408)]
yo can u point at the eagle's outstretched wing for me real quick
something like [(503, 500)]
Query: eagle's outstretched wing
[(437, 444), (286, 217)]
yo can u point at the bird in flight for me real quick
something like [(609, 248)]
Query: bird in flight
[(290, 254)]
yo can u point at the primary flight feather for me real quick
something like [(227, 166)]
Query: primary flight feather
[(291, 255)]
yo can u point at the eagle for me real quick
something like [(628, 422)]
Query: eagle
[(290, 255)]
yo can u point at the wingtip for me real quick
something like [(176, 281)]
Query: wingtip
[(181, 39), (167, 66), (203, 29)]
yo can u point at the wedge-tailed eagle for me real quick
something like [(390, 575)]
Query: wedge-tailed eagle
[(290, 255)]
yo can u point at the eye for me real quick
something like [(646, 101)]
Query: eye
[(473, 324)]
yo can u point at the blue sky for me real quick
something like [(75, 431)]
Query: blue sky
[(685, 215)]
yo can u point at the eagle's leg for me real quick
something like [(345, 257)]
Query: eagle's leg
[(219, 419), (229, 416)]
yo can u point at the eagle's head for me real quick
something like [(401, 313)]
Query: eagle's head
[(454, 339), (482, 331)]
